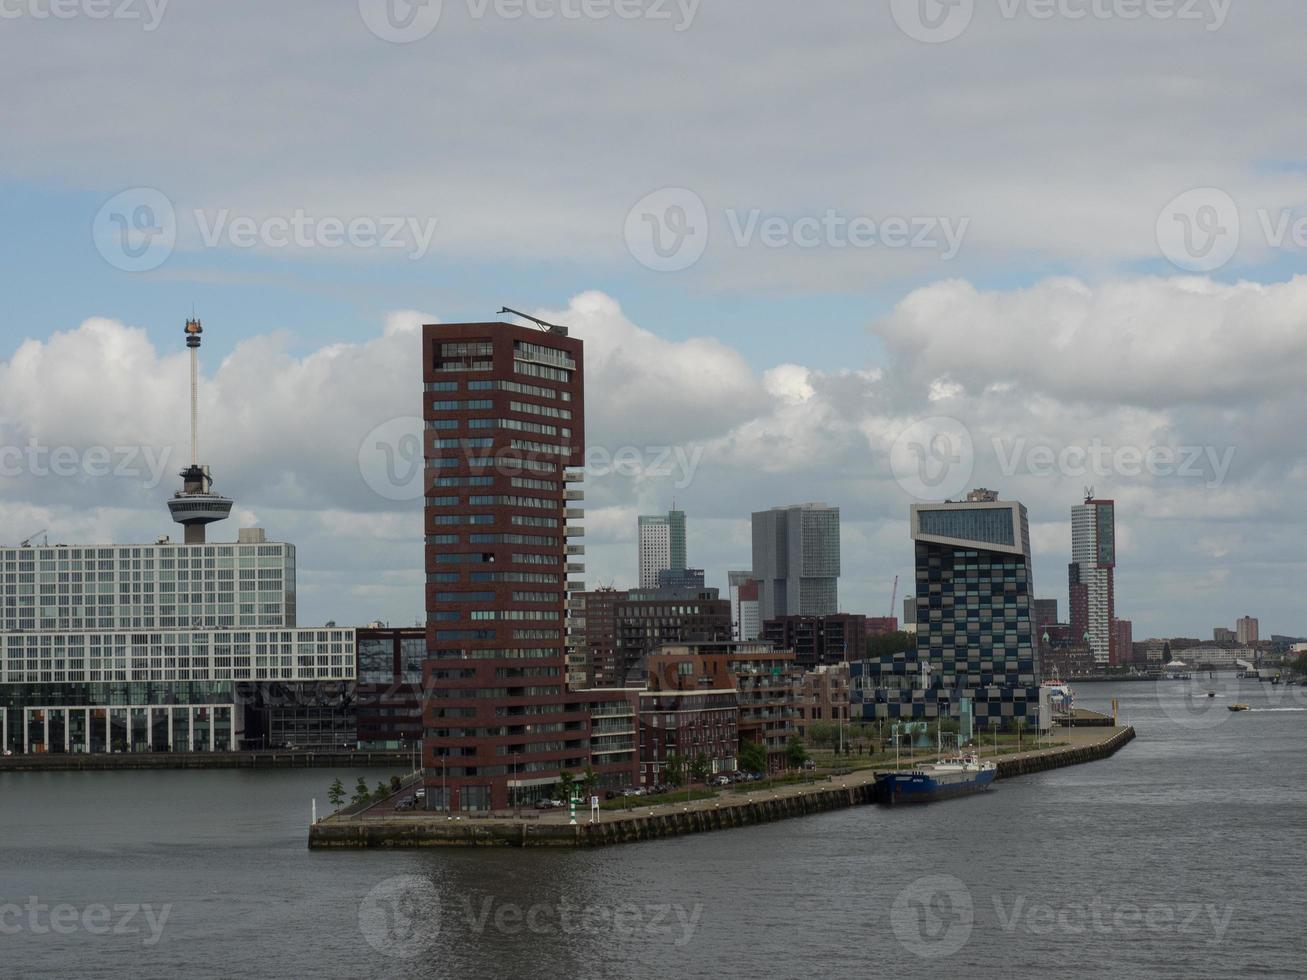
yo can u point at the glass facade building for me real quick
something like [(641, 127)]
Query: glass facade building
[(974, 610)]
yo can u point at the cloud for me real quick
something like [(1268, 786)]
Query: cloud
[(282, 431)]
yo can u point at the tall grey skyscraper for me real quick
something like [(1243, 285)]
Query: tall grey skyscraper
[(1092, 574), (662, 546), (796, 560)]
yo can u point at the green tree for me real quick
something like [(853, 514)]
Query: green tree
[(825, 734), (381, 792), (701, 768), (361, 794), (795, 752), (589, 781), (675, 769), (565, 783), (336, 793), (396, 784), (752, 757), (1300, 663), (890, 643)]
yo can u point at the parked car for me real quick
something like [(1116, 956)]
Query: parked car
[(407, 803), (544, 804), (723, 780)]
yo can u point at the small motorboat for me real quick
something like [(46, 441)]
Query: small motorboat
[(1238, 707), (1211, 694)]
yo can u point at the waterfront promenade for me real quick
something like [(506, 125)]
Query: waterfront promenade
[(736, 806)]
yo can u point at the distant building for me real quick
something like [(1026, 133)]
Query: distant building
[(975, 636), (388, 697), (1091, 576), (1246, 631), (646, 619), (823, 697), (1045, 612), (682, 578), (1214, 655), (662, 546), (882, 625), (690, 708), (1223, 634), (1124, 640), (750, 621), (745, 623), (796, 560), (910, 612), (818, 640)]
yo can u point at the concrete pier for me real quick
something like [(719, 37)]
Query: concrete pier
[(740, 807)]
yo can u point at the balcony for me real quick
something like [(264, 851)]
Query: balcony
[(574, 532), (574, 513), (576, 567), (573, 494), (573, 476), (576, 585)]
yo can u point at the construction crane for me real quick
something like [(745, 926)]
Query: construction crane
[(39, 534), (542, 324), (894, 596)]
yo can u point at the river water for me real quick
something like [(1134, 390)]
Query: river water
[(1179, 857)]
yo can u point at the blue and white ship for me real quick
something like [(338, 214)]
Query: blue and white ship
[(959, 776)]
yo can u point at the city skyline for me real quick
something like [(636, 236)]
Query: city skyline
[(264, 469)]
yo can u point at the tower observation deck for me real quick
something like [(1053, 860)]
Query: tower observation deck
[(196, 506)]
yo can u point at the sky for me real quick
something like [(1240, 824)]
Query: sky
[(868, 254)]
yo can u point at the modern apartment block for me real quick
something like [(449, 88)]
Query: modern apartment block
[(504, 413), (796, 560), (690, 708), (1091, 576), (745, 621), (975, 632), (819, 640), (662, 547), (646, 619)]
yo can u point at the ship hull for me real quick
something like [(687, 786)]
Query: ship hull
[(893, 788)]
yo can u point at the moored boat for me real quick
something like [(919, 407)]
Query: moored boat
[(1238, 707), (959, 776)]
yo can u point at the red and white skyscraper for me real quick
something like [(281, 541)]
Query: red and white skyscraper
[(1091, 577)]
